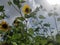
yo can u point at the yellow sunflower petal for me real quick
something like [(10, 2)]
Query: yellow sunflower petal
[(26, 9)]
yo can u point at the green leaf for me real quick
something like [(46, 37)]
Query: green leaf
[(20, 18), (30, 15), (31, 31), (47, 25), (16, 2), (21, 1), (14, 43), (55, 13), (15, 36), (2, 16), (41, 6), (9, 2), (27, 16), (21, 24), (37, 9), (22, 44), (1, 31), (50, 44), (37, 29), (44, 41), (38, 39), (33, 14), (1, 8), (50, 14), (58, 19), (41, 17), (30, 35), (52, 31), (58, 38)]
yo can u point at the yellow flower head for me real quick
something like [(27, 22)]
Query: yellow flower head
[(26, 9), (4, 26)]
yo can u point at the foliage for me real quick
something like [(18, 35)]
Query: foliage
[(20, 34)]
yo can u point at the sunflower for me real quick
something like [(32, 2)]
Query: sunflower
[(16, 22), (26, 9), (4, 26)]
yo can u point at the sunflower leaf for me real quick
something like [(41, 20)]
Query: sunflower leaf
[(58, 38), (58, 19), (16, 2), (9, 2), (20, 18), (50, 14), (41, 17), (1, 8), (47, 25), (31, 31), (21, 1)]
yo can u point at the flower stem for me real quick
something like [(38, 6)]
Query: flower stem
[(16, 8), (56, 24)]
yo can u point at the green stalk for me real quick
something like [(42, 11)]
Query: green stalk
[(16, 8), (54, 9), (26, 31), (56, 24)]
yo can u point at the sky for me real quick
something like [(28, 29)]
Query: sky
[(12, 13)]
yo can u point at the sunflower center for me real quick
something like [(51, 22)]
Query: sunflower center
[(27, 10), (5, 26)]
